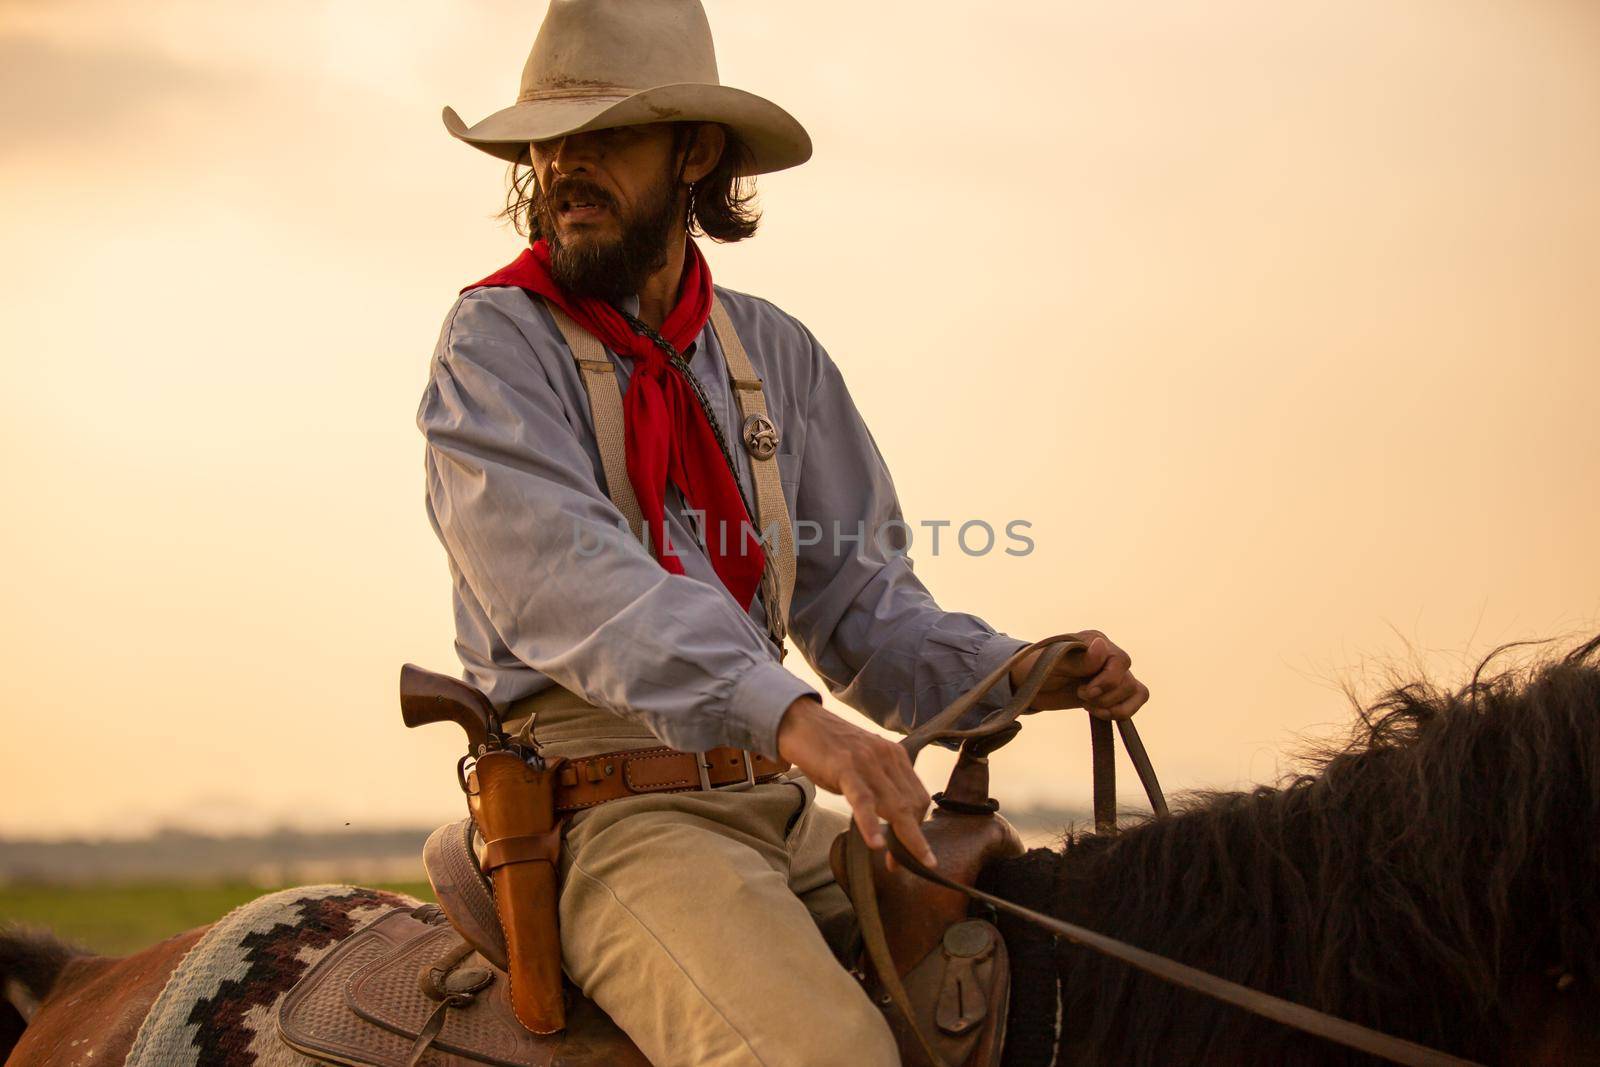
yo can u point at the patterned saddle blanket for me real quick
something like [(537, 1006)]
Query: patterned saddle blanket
[(219, 1005)]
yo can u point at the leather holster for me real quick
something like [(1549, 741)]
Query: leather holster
[(513, 804)]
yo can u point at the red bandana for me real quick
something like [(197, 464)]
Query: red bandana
[(667, 434)]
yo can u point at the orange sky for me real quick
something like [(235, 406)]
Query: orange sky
[(1277, 320)]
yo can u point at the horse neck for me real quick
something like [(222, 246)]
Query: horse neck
[(1200, 889), (1113, 1014), (1268, 890)]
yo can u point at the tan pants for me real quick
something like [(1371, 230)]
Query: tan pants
[(707, 924)]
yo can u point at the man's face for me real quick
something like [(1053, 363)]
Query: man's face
[(609, 202)]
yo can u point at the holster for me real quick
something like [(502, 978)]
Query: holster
[(514, 806)]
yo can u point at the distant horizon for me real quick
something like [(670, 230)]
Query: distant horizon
[(267, 827), (289, 855)]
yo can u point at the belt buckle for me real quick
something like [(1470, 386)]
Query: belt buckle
[(747, 782)]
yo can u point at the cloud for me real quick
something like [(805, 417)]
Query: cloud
[(67, 92)]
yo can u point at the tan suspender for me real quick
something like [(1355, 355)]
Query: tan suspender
[(605, 408), (771, 510)]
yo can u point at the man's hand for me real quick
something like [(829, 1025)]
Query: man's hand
[(873, 773), (1100, 680)]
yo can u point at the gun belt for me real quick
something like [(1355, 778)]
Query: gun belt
[(586, 781)]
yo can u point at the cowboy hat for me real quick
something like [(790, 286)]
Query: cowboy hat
[(597, 64)]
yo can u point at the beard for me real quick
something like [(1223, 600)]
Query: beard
[(610, 268)]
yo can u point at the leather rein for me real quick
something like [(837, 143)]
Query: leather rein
[(859, 867)]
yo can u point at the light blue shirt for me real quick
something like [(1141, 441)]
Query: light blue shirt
[(546, 591)]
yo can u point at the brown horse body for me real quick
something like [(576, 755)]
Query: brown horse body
[(1436, 878), (94, 1007)]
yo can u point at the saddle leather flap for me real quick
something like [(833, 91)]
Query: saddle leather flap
[(363, 1004), (314, 1019), (385, 991), (961, 991)]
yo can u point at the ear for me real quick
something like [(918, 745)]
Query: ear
[(706, 145)]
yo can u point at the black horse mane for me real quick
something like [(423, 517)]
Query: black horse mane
[(1407, 880)]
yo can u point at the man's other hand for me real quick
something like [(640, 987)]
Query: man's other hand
[(1100, 680), (873, 773)]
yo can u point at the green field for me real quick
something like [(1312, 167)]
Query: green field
[(116, 920)]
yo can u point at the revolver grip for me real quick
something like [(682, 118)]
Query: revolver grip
[(428, 697)]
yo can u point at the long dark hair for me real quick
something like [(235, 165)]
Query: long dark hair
[(1418, 879), (721, 206)]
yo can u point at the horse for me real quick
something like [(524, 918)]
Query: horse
[(1434, 876)]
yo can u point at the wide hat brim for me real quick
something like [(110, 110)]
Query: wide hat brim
[(776, 141)]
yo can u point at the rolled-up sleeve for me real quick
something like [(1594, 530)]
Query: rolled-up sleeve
[(864, 620), (514, 497)]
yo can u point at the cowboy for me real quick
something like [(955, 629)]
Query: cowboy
[(619, 458)]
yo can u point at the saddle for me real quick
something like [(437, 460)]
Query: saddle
[(432, 985)]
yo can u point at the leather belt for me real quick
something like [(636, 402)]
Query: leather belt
[(589, 780)]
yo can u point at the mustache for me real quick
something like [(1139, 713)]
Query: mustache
[(578, 190)]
